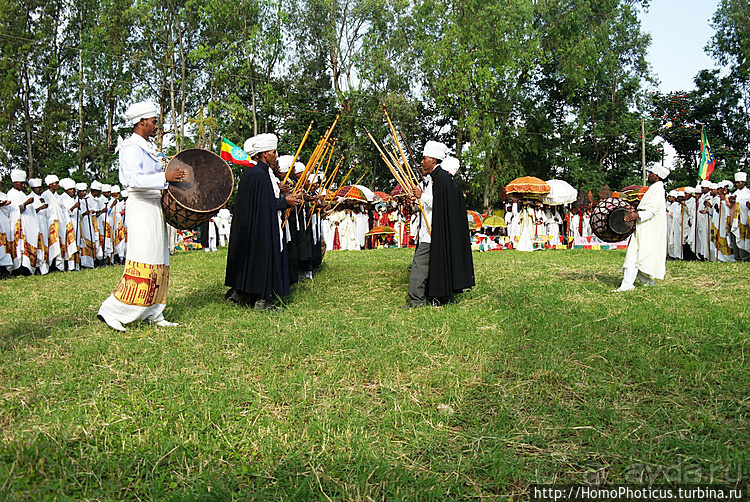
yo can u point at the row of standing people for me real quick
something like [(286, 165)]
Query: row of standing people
[(710, 222), (46, 229)]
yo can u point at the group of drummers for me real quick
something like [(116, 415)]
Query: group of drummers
[(60, 225), (710, 221)]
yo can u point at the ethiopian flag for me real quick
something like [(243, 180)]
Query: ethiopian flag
[(708, 161), (234, 154)]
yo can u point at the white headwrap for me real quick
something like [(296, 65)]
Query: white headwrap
[(35, 182), (115, 189), (706, 183), (673, 193), (67, 183), (727, 183), (435, 149), (142, 110), (299, 168), (249, 147), (661, 171), (265, 143), (451, 165), (689, 190), (95, 185), (740, 176), (51, 178), (713, 186), (16, 175), (106, 188), (285, 162), (124, 193), (81, 186)]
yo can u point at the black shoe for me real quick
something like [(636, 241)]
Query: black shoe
[(265, 305)]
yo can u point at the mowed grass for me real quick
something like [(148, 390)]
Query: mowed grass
[(538, 375)]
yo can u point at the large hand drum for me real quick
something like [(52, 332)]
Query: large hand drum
[(207, 186), (608, 220)]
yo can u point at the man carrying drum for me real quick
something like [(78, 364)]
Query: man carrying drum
[(141, 294), (646, 256)]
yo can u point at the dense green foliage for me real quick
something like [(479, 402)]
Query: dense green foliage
[(538, 375), (551, 88)]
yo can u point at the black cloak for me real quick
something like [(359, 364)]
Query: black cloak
[(255, 263), (451, 263)]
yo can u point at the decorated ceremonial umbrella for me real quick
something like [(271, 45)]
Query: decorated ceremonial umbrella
[(561, 192), (494, 222), (351, 193), (633, 193), (382, 196), (381, 231), (369, 194), (475, 220), (398, 191), (527, 185)]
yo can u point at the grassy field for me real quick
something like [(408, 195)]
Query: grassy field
[(538, 375)]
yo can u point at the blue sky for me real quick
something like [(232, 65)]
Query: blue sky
[(680, 29)]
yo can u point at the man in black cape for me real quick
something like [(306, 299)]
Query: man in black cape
[(442, 264), (257, 271)]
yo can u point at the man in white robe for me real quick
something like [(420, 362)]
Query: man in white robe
[(646, 256), (28, 241), (702, 223), (225, 226), (88, 237), (142, 291), (41, 207), (61, 239), (688, 215), (6, 259), (743, 225), (722, 222)]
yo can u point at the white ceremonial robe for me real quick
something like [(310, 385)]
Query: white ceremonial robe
[(72, 215), (6, 237), (27, 239), (526, 229), (141, 293), (647, 248), (674, 229), (724, 251), (43, 223), (743, 221), (702, 228)]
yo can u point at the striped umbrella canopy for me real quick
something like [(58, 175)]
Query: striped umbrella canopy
[(381, 231), (383, 196), (369, 194), (475, 220), (527, 185), (351, 192)]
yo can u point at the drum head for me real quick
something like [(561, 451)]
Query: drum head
[(617, 221), (208, 183)]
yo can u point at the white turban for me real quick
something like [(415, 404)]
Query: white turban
[(51, 178), (81, 186), (106, 188), (689, 190), (35, 182), (125, 193), (451, 165), (727, 183), (740, 176), (673, 193), (115, 189), (249, 147), (713, 186), (661, 171), (435, 150), (142, 110), (299, 167), (67, 183), (706, 183), (285, 162), (16, 175), (95, 185), (265, 143)]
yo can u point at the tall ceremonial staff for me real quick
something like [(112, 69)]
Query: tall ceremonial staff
[(402, 180)]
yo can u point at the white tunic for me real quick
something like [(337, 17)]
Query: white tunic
[(647, 248)]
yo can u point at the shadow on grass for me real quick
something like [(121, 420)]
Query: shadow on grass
[(18, 330), (613, 279)]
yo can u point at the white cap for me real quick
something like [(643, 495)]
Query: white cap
[(106, 188), (115, 189), (265, 143), (451, 165), (141, 110), (16, 175), (95, 185), (706, 184), (81, 186), (435, 149), (35, 182), (740, 176), (67, 183), (673, 193), (249, 147), (124, 193), (727, 183), (299, 167), (689, 190), (661, 171), (285, 162), (51, 178), (713, 186)]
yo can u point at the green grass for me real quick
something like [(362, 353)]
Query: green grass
[(538, 375)]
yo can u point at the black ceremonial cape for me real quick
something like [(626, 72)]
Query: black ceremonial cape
[(255, 263), (451, 263)]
